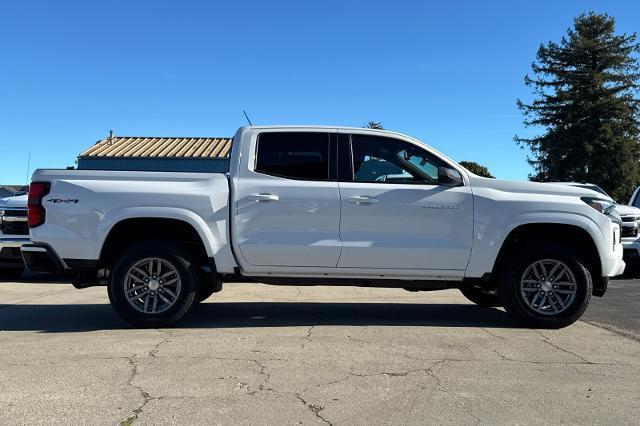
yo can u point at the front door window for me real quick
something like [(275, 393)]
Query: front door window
[(379, 159)]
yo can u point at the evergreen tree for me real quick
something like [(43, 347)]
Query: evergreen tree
[(476, 168), (585, 88), (374, 125)]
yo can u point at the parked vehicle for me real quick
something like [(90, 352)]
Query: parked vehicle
[(12, 190), (632, 251), (629, 227), (14, 232), (307, 205)]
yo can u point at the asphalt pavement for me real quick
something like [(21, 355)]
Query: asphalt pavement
[(257, 354), (619, 309)]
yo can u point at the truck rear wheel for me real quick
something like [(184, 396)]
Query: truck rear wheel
[(153, 285), (546, 285)]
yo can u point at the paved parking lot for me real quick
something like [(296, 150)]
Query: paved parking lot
[(301, 355)]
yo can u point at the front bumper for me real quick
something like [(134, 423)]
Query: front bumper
[(612, 263), (631, 254), (10, 256)]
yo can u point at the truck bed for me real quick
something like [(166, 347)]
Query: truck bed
[(83, 205)]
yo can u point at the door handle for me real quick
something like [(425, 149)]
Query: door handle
[(263, 197), (361, 199)]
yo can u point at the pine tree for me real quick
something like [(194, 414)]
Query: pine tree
[(476, 168), (585, 88)]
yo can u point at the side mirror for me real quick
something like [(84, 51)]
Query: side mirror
[(449, 177)]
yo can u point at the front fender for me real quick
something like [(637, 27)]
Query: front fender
[(490, 235)]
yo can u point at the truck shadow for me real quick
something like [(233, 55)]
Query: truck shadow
[(91, 317), (36, 279)]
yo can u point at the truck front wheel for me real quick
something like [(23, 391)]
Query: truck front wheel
[(153, 284), (545, 285)]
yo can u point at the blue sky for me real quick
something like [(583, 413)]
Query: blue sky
[(446, 72)]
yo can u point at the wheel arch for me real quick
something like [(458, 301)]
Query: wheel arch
[(573, 236), (132, 229)]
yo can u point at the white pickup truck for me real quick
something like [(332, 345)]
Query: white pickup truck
[(313, 206)]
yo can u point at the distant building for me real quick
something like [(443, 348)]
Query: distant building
[(157, 154), (12, 190)]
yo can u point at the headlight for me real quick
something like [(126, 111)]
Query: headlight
[(603, 206)]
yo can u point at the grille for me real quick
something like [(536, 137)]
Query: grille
[(630, 218), (15, 228), (14, 222), (629, 231), (16, 213)]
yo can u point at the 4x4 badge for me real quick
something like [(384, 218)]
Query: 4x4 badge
[(66, 200)]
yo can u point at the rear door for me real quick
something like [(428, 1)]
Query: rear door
[(288, 204), (395, 214)]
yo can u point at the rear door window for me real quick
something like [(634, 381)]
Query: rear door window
[(294, 155)]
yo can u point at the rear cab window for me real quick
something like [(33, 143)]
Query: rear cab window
[(294, 155)]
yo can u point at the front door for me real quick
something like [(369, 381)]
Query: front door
[(395, 215), (288, 211)]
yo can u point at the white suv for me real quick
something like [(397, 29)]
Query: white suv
[(14, 232), (629, 225)]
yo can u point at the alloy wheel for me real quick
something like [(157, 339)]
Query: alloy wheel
[(548, 286), (152, 285)]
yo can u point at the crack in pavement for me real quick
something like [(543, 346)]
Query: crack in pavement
[(262, 372), (262, 387), (333, 382), (153, 353), (438, 382), (315, 409), (582, 362), (146, 397), (353, 339), (429, 371), (583, 359), (307, 337), (550, 343), (492, 334)]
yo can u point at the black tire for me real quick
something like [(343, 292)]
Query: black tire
[(11, 273), (482, 297), (512, 296), (176, 258)]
